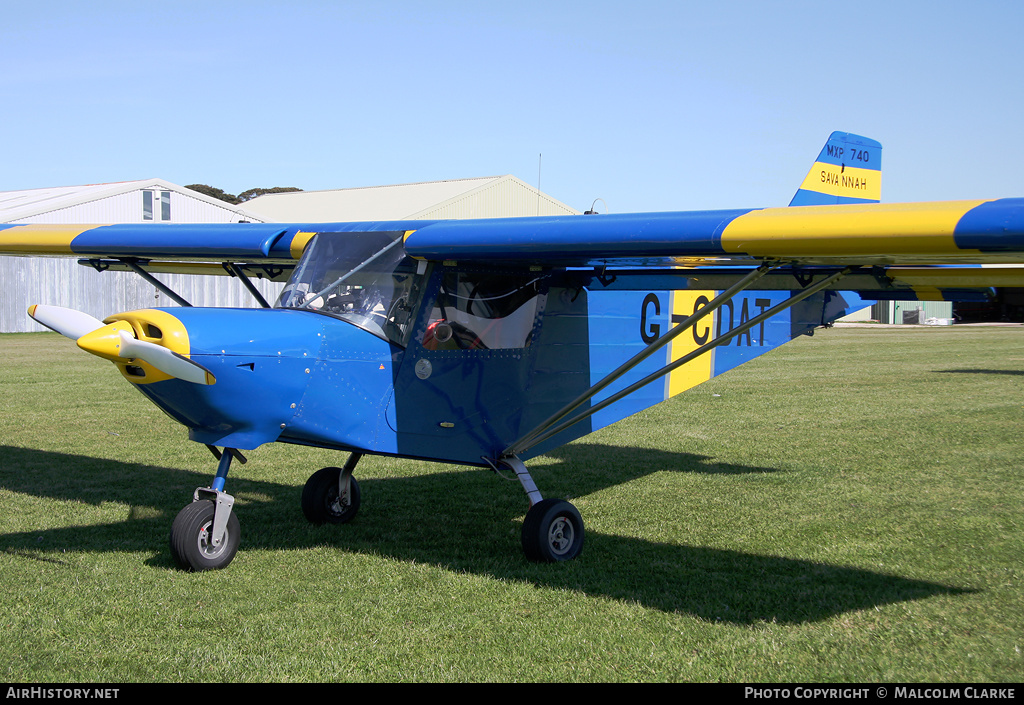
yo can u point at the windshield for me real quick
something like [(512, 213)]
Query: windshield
[(363, 278)]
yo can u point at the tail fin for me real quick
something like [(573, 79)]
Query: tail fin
[(848, 170)]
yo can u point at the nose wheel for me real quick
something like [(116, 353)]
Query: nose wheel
[(205, 534), (193, 546)]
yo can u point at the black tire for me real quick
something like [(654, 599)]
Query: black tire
[(552, 531), (191, 545), (320, 498)]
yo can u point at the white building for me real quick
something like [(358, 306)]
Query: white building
[(61, 281), (455, 199)]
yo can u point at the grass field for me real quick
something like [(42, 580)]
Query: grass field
[(846, 508)]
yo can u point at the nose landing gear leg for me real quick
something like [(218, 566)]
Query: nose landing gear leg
[(205, 534)]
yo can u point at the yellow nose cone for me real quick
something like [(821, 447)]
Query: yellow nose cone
[(106, 341)]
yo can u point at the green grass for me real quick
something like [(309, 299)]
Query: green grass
[(846, 508)]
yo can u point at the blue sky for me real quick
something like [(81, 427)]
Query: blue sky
[(646, 105)]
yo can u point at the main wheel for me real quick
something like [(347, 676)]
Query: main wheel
[(321, 503), (552, 531), (192, 540)]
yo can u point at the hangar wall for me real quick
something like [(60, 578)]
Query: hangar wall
[(61, 281)]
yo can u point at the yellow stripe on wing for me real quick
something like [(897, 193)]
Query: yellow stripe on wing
[(958, 277), (840, 231), (299, 242), (40, 239), (928, 293)]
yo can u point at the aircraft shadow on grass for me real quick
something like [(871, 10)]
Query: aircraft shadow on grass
[(461, 532), (980, 371)]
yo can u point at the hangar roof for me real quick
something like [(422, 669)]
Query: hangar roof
[(29, 203), (481, 197)]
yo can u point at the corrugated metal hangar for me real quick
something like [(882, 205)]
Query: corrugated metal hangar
[(63, 282)]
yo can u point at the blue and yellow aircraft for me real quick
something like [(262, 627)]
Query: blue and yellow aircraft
[(488, 342)]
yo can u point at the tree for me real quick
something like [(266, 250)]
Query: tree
[(256, 192), (214, 192)]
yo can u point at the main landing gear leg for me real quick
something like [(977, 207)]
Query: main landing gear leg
[(205, 534), (553, 528), (331, 495)]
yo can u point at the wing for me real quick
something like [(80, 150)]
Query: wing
[(954, 232), (202, 248), (839, 222), (895, 239)]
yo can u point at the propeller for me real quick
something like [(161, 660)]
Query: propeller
[(165, 360), (66, 321), (117, 342)]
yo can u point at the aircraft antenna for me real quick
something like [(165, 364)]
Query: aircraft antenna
[(540, 158)]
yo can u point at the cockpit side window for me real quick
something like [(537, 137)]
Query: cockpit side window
[(481, 311), (363, 278)]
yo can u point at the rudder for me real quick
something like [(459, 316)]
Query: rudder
[(848, 170)]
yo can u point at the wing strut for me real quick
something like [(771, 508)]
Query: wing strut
[(135, 267), (235, 270), (530, 439), (552, 426)]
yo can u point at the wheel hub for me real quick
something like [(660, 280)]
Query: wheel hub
[(336, 503), (561, 535), (204, 541)]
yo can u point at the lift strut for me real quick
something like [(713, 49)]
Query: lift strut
[(236, 271), (558, 422), (163, 288)]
